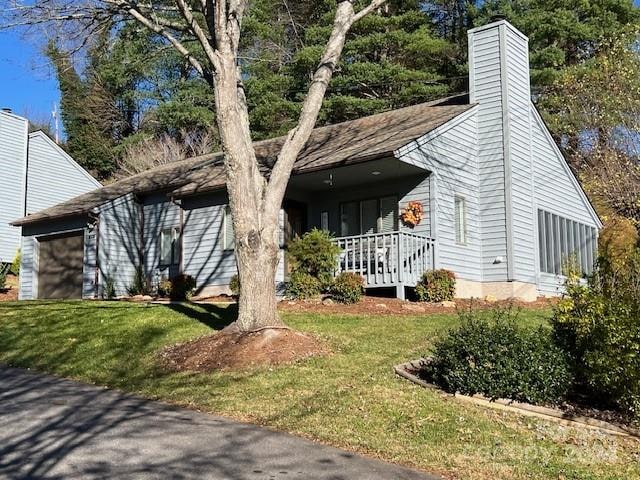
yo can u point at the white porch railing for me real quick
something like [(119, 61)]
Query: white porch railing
[(386, 259)]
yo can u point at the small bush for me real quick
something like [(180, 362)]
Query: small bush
[(314, 253), (234, 286), (302, 285), (139, 285), (109, 287), (4, 269), (436, 286), (182, 287), (347, 287), (164, 287), (15, 265), (490, 354), (598, 325)]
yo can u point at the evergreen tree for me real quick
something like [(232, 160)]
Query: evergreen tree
[(562, 33), (392, 59)]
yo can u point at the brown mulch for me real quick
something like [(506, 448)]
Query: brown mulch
[(395, 306), (10, 293), (232, 350)]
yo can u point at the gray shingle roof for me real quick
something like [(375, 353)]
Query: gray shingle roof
[(354, 141)]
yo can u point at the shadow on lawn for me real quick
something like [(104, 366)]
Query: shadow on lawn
[(211, 315)]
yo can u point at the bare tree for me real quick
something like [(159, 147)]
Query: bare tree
[(151, 152), (215, 26)]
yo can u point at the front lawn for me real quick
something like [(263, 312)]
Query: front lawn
[(350, 399)]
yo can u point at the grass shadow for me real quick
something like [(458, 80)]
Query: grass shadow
[(211, 315)]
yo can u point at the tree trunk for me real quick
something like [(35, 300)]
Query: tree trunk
[(257, 259)]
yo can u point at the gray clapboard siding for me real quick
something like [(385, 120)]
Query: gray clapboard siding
[(518, 162), (119, 242), (485, 83), (555, 190), (29, 258), (159, 213), (13, 164), (53, 175), (450, 152), (205, 257)]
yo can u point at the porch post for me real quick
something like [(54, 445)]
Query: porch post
[(400, 291)]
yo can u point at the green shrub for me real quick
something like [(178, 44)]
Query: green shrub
[(109, 287), (302, 285), (4, 269), (182, 287), (436, 286), (315, 253), (15, 265), (164, 287), (234, 286), (490, 354), (347, 287), (598, 325), (139, 285)]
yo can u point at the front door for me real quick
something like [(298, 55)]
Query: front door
[(295, 224)]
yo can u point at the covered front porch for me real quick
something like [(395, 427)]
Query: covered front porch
[(361, 206)]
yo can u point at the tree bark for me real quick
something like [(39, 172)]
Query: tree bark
[(255, 202)]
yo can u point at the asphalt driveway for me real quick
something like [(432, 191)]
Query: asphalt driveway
[(56, 428)]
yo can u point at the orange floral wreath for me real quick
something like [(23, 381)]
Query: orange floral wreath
[(412, 213)]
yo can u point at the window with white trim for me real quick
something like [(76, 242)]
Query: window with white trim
[(561, 240), (460, 215), (229, 239), (170, 246)]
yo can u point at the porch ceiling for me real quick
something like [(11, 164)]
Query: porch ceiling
[(355, 174)]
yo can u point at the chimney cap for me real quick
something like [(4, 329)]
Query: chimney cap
[(6, 109), (497, 17)]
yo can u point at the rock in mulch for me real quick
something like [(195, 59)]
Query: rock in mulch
[(234, 350)]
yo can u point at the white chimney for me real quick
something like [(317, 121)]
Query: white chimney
[(499, 84)]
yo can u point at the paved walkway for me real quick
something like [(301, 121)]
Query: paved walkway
[(55, 428)]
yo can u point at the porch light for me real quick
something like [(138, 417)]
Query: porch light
[(376, 172)]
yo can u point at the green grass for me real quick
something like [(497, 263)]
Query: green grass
[(349, 399)]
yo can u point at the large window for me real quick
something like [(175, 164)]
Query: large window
[(460, 214), (375, 215), (170, 246), (561, 240)]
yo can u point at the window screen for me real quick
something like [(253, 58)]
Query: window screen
[(229, 239), (460, 213), (170, 246), (561, 240), (375, 215), (388, 214)]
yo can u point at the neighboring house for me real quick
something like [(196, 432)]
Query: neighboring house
[(502, 209), (35, 174)]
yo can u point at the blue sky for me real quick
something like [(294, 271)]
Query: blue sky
[(27, 83)]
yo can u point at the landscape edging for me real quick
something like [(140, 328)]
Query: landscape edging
[(553, 414)]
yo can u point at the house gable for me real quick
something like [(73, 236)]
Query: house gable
[(53, 176), (556, 188)]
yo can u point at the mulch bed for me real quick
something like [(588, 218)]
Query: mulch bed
[(10, 294), (233, 350), (394, 306)]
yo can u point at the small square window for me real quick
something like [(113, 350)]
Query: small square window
[(460, 213)]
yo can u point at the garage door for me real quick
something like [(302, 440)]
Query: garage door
[(60, 266)]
